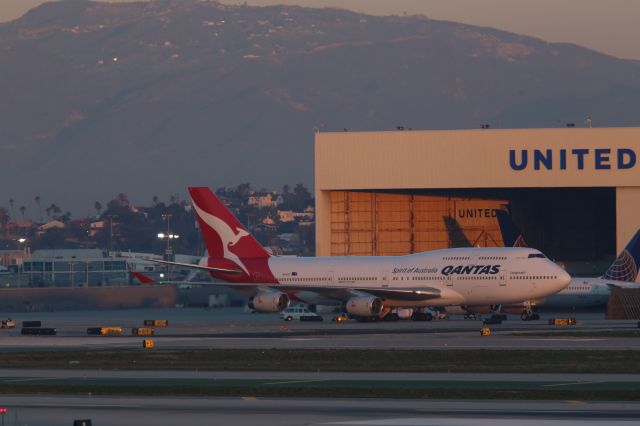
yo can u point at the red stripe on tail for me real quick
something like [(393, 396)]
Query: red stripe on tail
[(143, 278)]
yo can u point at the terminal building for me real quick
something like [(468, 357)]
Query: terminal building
[(574, 192)]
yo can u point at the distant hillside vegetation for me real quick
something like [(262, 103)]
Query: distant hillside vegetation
[(149, 97)]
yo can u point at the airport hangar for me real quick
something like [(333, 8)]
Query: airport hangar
[(574, 192)]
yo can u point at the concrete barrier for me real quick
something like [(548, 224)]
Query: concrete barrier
[(86, 298)]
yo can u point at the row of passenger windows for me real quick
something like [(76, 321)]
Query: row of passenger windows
[(456, 258), (303, 280), (419, 278), (477, 277), (534, 277), (317, 279), (357, 278), (415, 278), (493, 258), (580, 287)]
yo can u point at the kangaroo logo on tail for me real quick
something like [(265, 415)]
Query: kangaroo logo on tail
[(228, 236)]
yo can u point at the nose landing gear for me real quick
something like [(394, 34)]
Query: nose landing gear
[(528, 314)]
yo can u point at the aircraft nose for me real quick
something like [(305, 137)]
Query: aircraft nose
[(563, 278)]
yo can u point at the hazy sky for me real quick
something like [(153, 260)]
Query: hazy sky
[(610, 26)]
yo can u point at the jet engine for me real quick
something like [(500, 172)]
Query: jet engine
[(269, 302), (364, 306)]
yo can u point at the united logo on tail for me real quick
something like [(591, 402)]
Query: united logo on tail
[(625, 267), (511, 235)]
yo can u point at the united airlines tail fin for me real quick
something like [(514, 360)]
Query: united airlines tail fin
[(625, 267), (223, 234), (511, 235)]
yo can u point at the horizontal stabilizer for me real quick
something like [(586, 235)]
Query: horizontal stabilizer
[(200, 267)]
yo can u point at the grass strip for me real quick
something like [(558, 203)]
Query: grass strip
[(356, 360), (318, 392)]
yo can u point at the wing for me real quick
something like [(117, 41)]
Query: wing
[(344, 293), (336, 292)]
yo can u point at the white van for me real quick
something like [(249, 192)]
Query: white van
[(299, 313)]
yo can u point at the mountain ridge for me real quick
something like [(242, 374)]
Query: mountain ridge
[(148, 97)]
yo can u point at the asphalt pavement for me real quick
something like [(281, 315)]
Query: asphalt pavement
[(233, 328), (169, 411)]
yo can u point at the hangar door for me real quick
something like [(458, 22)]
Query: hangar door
[(376, 223)]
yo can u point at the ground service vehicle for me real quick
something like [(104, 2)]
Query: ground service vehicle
[(104, 331), (340, 318), (142, 331), (8, 323), (39, 331), (301, 313), (562, 321), (156, 323)]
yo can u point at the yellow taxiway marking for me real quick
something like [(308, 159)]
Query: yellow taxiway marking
[(249, 398)]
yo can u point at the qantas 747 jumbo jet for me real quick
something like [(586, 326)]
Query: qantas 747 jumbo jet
[(369, 286)]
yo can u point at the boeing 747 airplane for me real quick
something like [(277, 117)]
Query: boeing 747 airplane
[(373, 285)]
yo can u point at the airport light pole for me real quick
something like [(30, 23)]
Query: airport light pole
[(168, 254), (167, 217), (71, 264), (25, 253)]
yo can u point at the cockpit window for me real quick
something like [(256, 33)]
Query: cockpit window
[(540, 255)]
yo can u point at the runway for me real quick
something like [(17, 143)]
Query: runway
[(234, 329), (60, 411)]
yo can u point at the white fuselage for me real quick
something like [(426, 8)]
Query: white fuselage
[(465, 276), (583, 293)]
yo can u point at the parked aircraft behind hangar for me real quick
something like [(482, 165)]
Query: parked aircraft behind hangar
[(372, 285)]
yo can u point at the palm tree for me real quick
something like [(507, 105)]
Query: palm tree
[(39, 208), (98, 206), (156, 200), (56, 210), (53, 211), (4, 219), (13, 213), (123, 200), (22, 210)]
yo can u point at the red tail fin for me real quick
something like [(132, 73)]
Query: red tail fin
[(143, 278), (223, 235)]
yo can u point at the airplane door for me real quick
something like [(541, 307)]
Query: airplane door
[(502, 279), (385, 278), (330, 276), (448, 281)]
